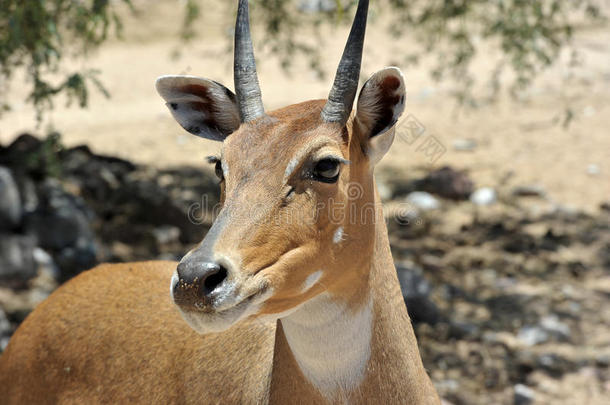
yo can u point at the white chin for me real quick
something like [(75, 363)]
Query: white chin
[(208, 323)]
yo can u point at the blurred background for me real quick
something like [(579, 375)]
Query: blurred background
[(497, 187)]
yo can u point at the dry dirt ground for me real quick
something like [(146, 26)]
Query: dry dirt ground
[(499, 275)]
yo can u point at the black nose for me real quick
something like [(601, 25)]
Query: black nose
[(197, 280)]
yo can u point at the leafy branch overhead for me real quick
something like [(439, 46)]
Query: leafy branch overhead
[(38, 34), (527, 36)]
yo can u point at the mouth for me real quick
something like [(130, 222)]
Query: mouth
[(252, 298), (226, 309)]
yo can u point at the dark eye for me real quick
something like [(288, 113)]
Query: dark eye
[(218, 170), (326, 170)]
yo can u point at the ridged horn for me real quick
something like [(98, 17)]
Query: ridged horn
[(244, 68), (342, 95)]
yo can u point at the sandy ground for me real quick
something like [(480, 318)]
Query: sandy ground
[(517, 143)]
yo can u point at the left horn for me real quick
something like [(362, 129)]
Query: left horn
[(244, 68), (342, 95)]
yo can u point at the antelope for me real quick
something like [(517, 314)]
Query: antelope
[(288, 299)]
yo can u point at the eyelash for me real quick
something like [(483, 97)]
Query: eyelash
[(217, 162), (312, 174)]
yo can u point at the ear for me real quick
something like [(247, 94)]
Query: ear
[(380, 104), (203, 107)]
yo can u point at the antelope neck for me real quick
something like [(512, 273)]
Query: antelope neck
[(331, 343)]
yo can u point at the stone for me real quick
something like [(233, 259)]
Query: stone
[(385, 191), (463, 330), (29, 195), (317, 6), (588, 111), (416, 291), (523, 395), (16, 258), (423, 200), (593, 169), (10, 200), (484, 196), (555, 327), (602, 360), (555, 365), (532, 335), (15, 155), (76, 258), (464, 145), (5, 330), (166, 234), (405, 221), (45, 263), (61, 218), (447, 183), (531, 190)]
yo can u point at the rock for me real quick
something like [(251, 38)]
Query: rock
[(99, 177), (61, 226), (385, 191), (518, 242), (15, 153), (412, 283), (464, 145), (317, 6), (602, 360), (555, 365), (405, 221), (484, 196), (149, 203), (169, 257), (45, 263), (29, 196), (416, 291), (532, 335), (34, 157), (16, 258), (423, 200), (593, 170), (529, 191), (74, 259), (5, 330), (448, 385), (53, 230), (555, 327), (60, 220), (588, 111), (550, 327), (10, 200), (5, 326), (523, 395), (447, 183), (463, 330), (166, 234)]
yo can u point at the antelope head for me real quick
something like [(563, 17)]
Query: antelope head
[(297, 188)]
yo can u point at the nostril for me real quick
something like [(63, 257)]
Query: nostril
[(214, 279)]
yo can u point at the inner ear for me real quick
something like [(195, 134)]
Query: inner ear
[(381, 102), (203, 107)]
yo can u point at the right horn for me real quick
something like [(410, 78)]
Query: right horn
[(341, 98), (248, 91)]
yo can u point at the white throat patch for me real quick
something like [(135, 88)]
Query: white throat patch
[(331, 343)]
